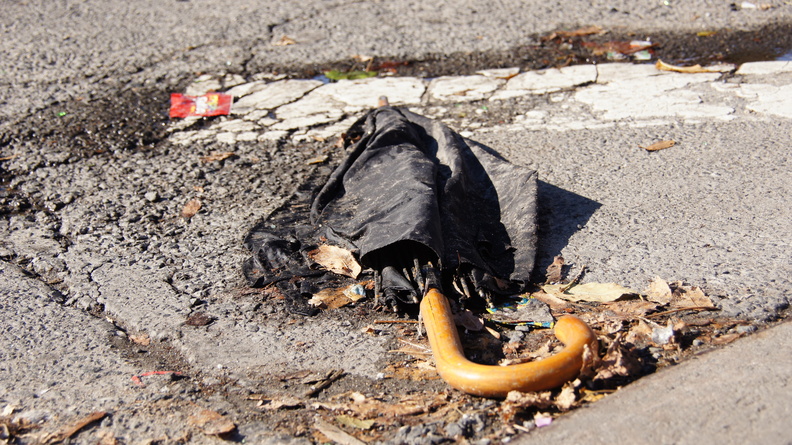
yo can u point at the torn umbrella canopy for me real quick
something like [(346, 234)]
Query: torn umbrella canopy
[(410, 192)]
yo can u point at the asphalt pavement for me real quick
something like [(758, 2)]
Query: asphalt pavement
[(97, 265)]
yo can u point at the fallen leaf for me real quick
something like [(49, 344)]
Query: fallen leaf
[(317, 160), (596, 292), (336, 259), (283, 402), (141, 339), (70, 430), (468, 320), (662, 66), (554, 302), (631, 308), (659, 145), (659, 291), (191, 208), (336, 434), (284, 41), (211, 422), (517, 402), (354, 423), (689, 296), (217, 156), (106, 437), (620, 360), (554, 271)]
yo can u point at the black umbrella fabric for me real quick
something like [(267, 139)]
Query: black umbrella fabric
[(410, 192)]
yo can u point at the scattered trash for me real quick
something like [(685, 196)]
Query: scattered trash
[(349, 75), (662, 66), (211, 423), (599, 292), (191, 208), (336, 298), (662, 335), (210, 104), (661, 145), (336, 259), (137, 379), (619, 50), (542, 420), (522, 312)]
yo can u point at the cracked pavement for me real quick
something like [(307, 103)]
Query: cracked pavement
[(97, 230)]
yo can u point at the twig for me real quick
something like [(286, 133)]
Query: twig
[(574, 280), (679, 309), (332, 377), (69, 431)]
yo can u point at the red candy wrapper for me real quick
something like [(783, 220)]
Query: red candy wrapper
[(210, 104)]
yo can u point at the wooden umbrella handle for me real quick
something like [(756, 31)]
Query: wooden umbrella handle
[(497, 381)]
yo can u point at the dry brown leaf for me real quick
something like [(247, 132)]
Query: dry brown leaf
[(336, 259), (353, 422), (689, 296), (141, 339), (211, 422), (283, 402), (336, 434), (554, 302), (631, 308), (554, 271), (70, 430), (620, 360), (106, 437), (662, 66), (596, 292), (213, 157), (659, 291), (284, 41), (468, 320), (191, 208), (659, 145), (517, 402)]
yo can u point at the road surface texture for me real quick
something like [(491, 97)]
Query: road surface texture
[(102, 279)]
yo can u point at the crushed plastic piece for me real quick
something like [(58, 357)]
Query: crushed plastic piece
[(210, 104)]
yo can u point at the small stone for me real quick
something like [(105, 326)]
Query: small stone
[(151, 196), (746, 329)]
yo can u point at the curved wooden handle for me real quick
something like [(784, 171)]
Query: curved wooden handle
[(497, 381)]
